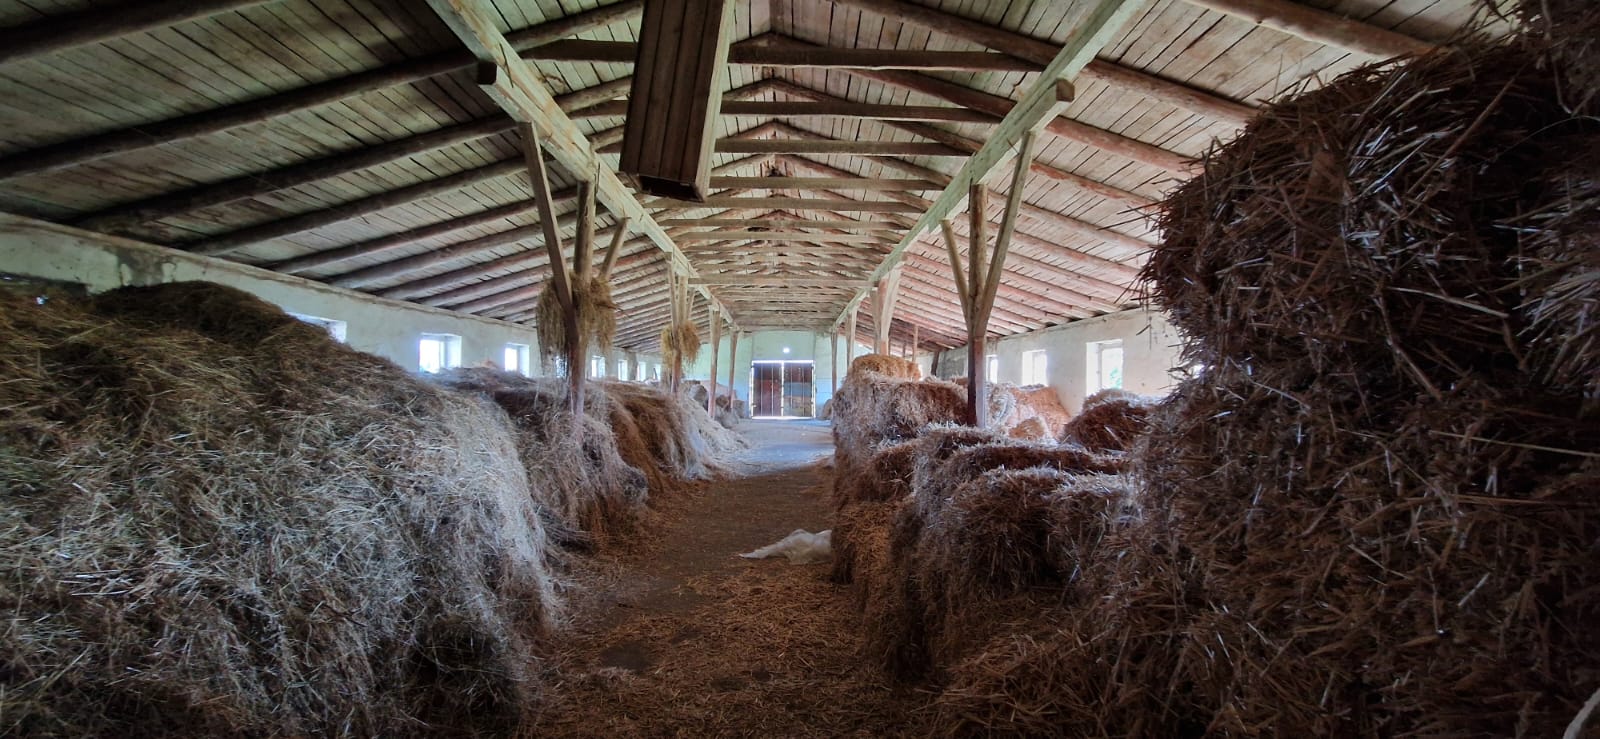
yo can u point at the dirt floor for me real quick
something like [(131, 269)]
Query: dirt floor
[(687, 639)]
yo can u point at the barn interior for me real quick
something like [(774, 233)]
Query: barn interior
[(1081, 368)]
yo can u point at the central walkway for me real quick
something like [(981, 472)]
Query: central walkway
[(688, 639)]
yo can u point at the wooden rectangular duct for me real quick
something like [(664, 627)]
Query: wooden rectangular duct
[(676, 97)]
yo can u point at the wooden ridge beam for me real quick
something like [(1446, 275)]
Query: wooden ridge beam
[(99, 24), (840, 283), (1080, 259), (783, 223), (807, 109), (1320, 26), (1043, 100), (829, 183), (746, 53), (1204, 102), (841, 206), (777, 236), (998, 106), (94, 147), (855, 148), (520, 91)]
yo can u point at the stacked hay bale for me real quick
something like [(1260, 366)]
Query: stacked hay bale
[(1386, 474), (1110, 420), (1024, 411), (1372, 513), (882, 401), (593, 492), (218, 521)]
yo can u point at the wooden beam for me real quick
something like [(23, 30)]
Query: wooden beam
[(393, 242), (733, 365), (854, 148), (123, 217), (64, 31), (805, 109), (787, 223), (777, 236), (1040, 53), (233, 241), (716, 340), (829, 183), (842, 206), (519, 91), (777, 281), (676, 96), (615, 249), (1320, 26), (1040, 103), (746, 53), (173, 130)]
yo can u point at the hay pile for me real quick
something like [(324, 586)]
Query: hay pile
[(1110, 421), (597, 320), (1023, 411), (592, 493), (873, 408), (730, 409), (1373, 513), (218, 521), (680, 344), (682, 441), (885, 365)]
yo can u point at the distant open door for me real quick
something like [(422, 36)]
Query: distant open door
[(782, 389)]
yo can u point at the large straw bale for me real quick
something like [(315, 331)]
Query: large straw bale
[(1042, 402), (1572, 28), (218, 521), (872, 408), (885, 365), (1111, 421), (886, 476), (591, 495)]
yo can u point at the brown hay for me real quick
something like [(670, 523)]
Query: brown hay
[(1043, 403), (218, 521), (1032, 429), (873, 408), (1572, 29), (884, 365), (597, 320), (1383, 481), (681, 439), (590, 494), (885, 477), (680, 344), (1111, 423)]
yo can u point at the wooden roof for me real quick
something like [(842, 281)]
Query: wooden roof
[(348, 141)]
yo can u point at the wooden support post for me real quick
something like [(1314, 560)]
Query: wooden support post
[(850, 342), (560, 281), (733, 364), (617, 239), (676, 96), (716, 339), (833, 356)]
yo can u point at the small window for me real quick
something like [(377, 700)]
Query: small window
[(335, 328), (993, 368), (597, 366), (438, 352), (516, 359), (1105, 365), (622, 369), (1035, 364)]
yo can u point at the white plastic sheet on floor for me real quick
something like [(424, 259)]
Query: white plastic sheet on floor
[(801, 547)]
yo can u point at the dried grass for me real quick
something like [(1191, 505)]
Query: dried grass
[(680, 344), (885, 477), (1110, 421), (592, 497), (218, 521), (1572, 28), (871, 408), (597, 320), (885, 365)]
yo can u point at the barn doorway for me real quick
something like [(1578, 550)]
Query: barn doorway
[(782, 389)]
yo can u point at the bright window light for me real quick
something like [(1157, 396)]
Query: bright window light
[(992, 371), (1105, 365), (438, 352), (516, 359), (1035, 365)]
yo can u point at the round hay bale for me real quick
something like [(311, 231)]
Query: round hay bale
[(210, 536)]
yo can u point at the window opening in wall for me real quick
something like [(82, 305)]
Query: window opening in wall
[(597, 366), (622, 369), (335, 328), (438, 352), (657, 375), (516, 359), (1105, 365), (1035, 364), (992, 368)]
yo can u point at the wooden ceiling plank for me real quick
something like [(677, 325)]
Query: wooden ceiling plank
[(1204, 102), (173, 130), (100, 24), (1320, 26), (1041, 103), (518, 90)]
